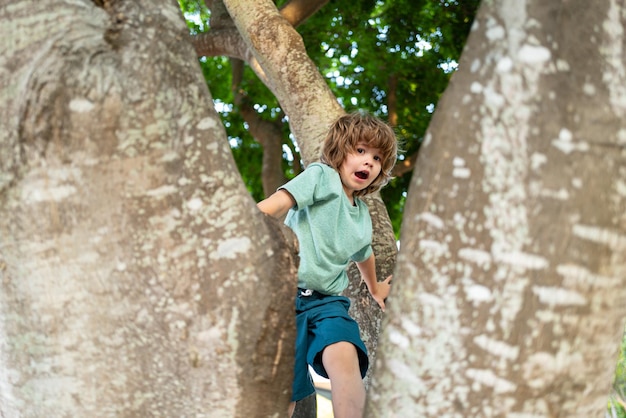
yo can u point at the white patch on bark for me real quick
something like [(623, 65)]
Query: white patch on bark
[(430, 300), (194, 204), (170, 156), (461, 172), (233, 327), (398, 339), (563, 65), (505, 65), (612, 239), (427, 139), (568, 147), (561, 194), (479, 257), (162, 191), (557, 296), (402, 371), (229, 248), (495, 33), (620, 187), (578, 276), (47, 194), (206, 123), (537, 160), (493, 99), (435, 248), (184, 181), (475, 66), (534, 54), (565, 143), (524, 260), (211, 337), (431, 219), (489, 378), (477, 293), (411, 327), (589, 89), (51, 184), (81, 105), (497, 348)]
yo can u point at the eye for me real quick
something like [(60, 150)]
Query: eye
[(377, 158), (360, 150)]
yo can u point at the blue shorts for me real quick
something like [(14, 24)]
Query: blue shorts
[(322, 320)]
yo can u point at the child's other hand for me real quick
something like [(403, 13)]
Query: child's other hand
[(382, 291)]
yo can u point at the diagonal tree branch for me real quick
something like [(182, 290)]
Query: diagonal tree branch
[(220, 42), (297, 12), (224, 38)]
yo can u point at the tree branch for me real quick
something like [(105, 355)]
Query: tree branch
[(297, 12), (218, 42), (224, 39)]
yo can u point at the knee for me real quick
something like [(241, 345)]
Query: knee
[(342, 352)]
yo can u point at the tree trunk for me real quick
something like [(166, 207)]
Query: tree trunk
[(510, 286), (137, 277)]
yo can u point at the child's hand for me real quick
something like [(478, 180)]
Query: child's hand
[(382, 291)]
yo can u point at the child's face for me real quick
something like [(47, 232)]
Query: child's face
[(360, 168)]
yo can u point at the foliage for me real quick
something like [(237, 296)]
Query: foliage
[(392, 58), (617, 401), (371, 52)]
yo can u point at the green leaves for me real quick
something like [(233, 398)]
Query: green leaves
[(617, 401), (392, 58)]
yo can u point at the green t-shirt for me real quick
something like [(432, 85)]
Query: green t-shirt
[(331, 232)]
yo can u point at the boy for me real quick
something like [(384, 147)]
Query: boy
[(333, 227)]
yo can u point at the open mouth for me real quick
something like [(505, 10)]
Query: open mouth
[(363, 175)]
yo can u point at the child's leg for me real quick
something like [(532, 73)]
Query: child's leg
[(348, 392)]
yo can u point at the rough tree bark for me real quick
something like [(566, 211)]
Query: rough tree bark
[(137, 277), (512, 271)]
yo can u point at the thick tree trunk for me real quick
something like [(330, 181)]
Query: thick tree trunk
[(137, 277), (510, 289)]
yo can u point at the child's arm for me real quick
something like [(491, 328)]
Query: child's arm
[(277, 204), (378, 290)]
